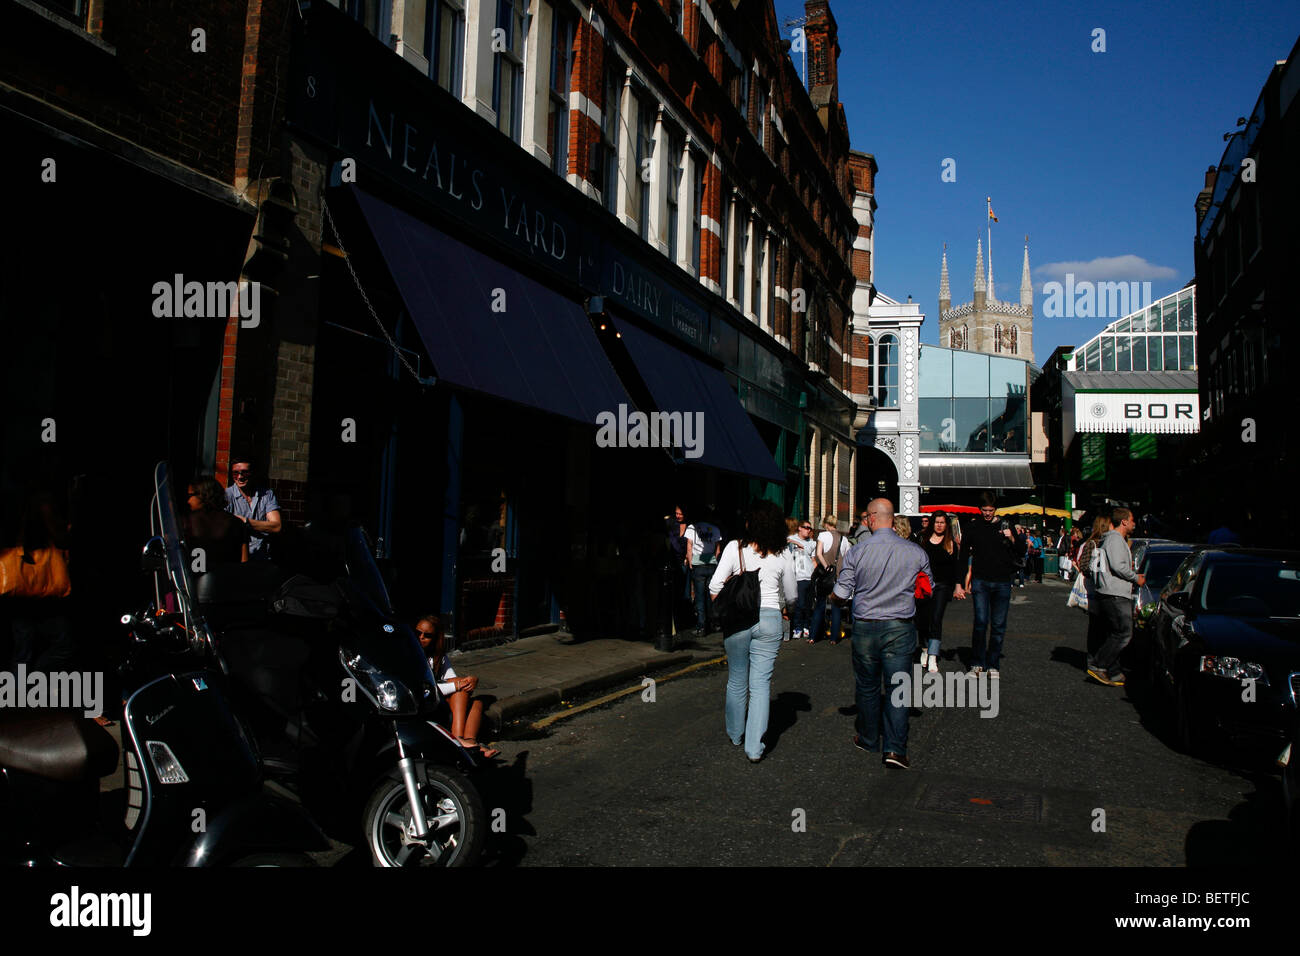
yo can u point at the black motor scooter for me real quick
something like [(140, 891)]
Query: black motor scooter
[(341, 703), (193, 785)]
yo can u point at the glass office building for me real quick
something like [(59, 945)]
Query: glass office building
[(1159, 338), (972, 402)]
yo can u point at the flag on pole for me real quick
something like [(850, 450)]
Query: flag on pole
[(991, 216)]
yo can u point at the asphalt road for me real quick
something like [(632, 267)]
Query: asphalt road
[(639, 783)]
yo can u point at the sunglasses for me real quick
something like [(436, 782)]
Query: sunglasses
[(242, 471)]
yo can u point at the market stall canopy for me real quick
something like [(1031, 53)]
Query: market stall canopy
[(951, 509), (1029, 508)]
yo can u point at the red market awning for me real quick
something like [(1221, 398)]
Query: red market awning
[(951, 509)]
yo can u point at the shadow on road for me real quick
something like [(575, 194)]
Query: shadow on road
[(782, 716), (508, 799)]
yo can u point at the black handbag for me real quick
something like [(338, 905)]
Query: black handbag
[(736, 605)]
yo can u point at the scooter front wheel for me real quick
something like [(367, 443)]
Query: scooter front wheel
[(454, 817)]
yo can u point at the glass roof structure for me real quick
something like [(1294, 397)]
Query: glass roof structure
[(1158, 338)]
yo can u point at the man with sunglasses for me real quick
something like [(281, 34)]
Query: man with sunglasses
[(255, 506)]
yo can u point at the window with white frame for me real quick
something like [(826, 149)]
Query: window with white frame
[(557, 121), (760, 260), (444, 42), (762, 114), (727, 208), (508, 70), (676, 170), (740, 247), (371, 14), (742, 93), (697, 212), (604, 154), (887, 371), (646, 114)]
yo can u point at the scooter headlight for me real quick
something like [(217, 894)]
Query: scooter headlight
[(388, 694), (1233, 669)]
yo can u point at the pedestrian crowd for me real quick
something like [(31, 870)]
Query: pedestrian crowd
[(892, 588)]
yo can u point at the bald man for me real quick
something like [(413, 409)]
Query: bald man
[(879, 575)]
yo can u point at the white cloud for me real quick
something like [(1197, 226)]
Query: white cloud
[(1128, 268)]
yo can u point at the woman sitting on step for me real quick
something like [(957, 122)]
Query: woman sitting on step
[(466, 713)]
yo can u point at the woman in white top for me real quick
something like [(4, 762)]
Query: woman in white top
[(803, 548), (466, 714), (751, 653)]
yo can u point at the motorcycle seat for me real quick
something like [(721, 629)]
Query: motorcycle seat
[(65, 747), (252, 582)]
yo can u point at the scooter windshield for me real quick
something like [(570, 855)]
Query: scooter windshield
[(387, 642), (165, 524)]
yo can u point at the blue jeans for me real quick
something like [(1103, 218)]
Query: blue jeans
[(819, 618), (803, 609), (703, 574), (751, 657), (929, 617), (882, 649), (992, 599)]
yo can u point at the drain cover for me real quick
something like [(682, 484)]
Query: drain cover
[(985, 802)]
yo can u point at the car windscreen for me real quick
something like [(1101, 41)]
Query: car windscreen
[(1160, 567), (1251, 589)]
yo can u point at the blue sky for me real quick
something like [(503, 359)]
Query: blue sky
[(1095, 156)]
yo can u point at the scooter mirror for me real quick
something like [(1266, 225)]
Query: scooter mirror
[(154, 556)]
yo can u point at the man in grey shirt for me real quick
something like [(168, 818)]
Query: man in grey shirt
[(256, 507), (880, 574), (1112, 597)]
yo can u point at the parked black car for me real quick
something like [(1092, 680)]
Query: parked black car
[(1158, 560), (1225, 646)]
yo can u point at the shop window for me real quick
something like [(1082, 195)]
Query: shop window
[(557, 121), (508, 72)]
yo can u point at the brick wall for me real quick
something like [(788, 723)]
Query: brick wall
[(154, 89)]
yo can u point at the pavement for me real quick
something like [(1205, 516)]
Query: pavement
[(549, 671)]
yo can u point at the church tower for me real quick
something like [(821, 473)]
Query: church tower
[(986, 324)]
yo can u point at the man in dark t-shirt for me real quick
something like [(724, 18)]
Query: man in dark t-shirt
[(989, 553)]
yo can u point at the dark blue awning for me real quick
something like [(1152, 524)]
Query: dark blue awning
[(680, 383), (538, 350)]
